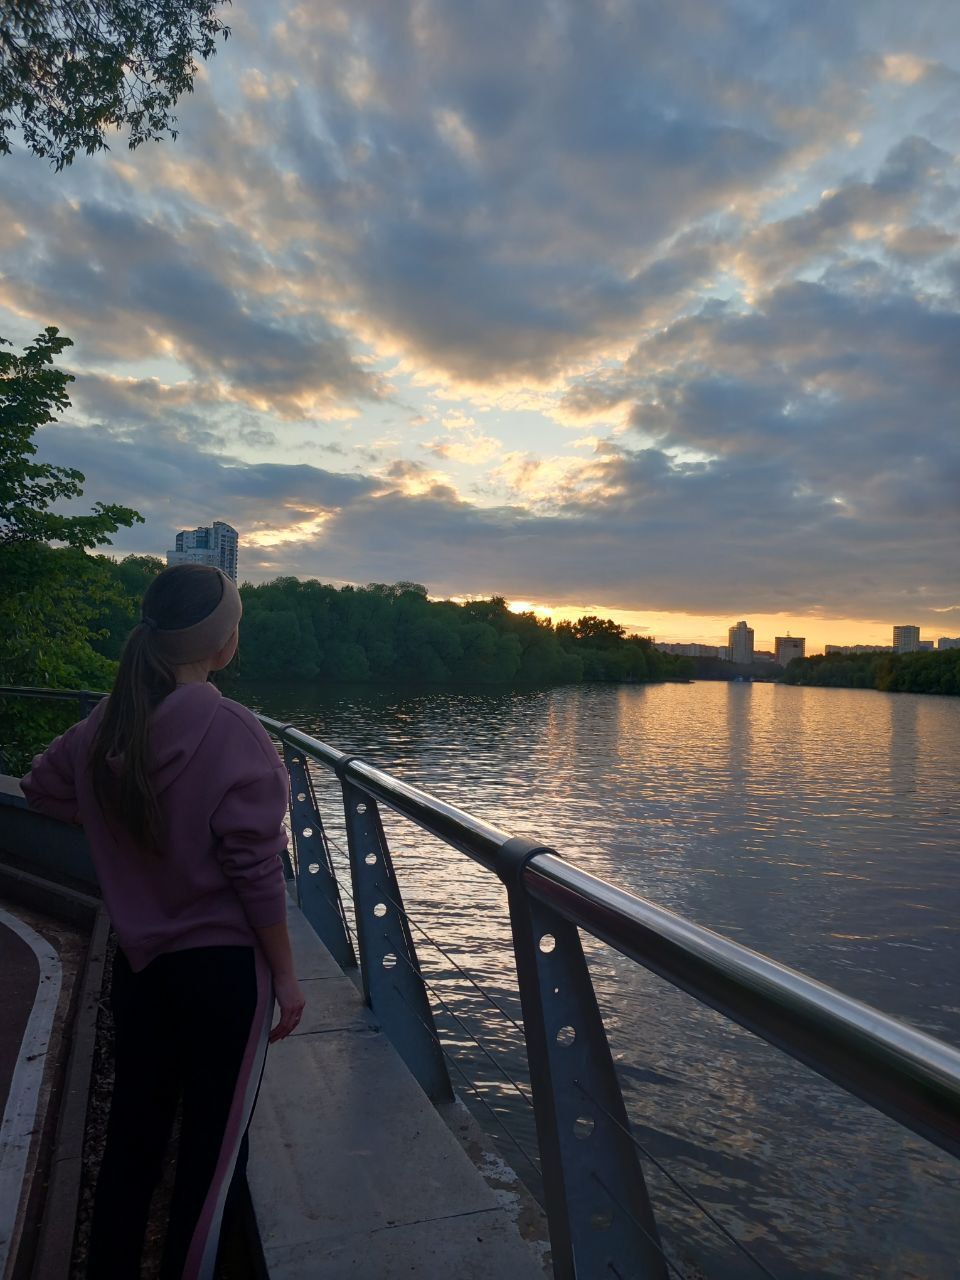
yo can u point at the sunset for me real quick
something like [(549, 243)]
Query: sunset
[(479, 639), (563, 303)]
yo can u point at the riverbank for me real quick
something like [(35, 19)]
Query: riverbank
[(932, 672)]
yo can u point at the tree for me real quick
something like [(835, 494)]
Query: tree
[(603, 632), (53, 607), (120, 609), (50, 636), (72, 69), (936, 672), (31, 393), (62, 612)]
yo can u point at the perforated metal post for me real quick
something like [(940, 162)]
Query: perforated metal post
[(319, 894), (600, 1217), (392, 985)]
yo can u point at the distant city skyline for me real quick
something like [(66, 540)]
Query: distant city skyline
[(714, 630)]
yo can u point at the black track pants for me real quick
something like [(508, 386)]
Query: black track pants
[(190, 1028)]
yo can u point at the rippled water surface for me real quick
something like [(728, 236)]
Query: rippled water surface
[(819, 826)]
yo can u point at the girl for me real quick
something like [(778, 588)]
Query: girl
[(182, 796)]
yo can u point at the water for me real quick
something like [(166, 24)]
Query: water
[(819, 826)]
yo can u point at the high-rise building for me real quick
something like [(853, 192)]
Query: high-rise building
[(906, 639), (948, 642), (740, 643), (786, 648), (215, 544)]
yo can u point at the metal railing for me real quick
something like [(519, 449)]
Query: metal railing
[(599, 1213)]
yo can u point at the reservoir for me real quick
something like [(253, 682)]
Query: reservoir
[(818, 826)]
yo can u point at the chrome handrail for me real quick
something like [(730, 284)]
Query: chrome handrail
[(911, 1076)]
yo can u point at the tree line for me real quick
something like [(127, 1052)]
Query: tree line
[(75, 609), (394, 633), (929, 672)]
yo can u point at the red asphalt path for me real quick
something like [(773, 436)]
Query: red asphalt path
[(19, 979), (30, 985)]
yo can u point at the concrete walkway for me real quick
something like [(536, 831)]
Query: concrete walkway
[(353, 1173)]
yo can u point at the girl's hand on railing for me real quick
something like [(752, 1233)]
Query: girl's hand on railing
[(291, 1002)]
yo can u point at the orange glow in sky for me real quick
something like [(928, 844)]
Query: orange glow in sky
[(692, 628)]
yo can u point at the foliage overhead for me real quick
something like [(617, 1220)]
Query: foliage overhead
[(58, 608), (72, 69), (32, 393)]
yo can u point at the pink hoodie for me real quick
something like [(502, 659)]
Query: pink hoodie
[(223, 794)]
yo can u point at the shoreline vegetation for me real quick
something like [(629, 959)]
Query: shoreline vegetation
[(931, 672), (72, 610), (71, 628), (389, 633)]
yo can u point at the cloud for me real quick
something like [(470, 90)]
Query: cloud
[(724, 235), (499, 196), (632, 525), (855, 397), (914, 178), (174, 482), (129, 288), (464, 442)]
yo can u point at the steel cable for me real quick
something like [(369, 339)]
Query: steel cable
[(433, 942), (724, 1231), (671, 1266), (531, 1160), (470, 1034)]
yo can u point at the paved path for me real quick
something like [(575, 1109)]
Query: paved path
[(30, 981), (353, 1173)]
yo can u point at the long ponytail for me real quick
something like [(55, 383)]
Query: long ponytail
[(177, 597), (143, 681)]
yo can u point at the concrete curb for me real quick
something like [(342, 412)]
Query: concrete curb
[(19, 1123), (47, 897), (59, 1218)]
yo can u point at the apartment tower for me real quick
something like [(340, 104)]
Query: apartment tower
[(740, 643), (216, 544)]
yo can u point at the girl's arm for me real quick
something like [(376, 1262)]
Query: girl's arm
[(249, 826), (275, 941), (49, 786)]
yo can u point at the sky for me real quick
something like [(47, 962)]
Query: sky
[(615, 307)]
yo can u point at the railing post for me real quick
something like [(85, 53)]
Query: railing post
[(392, 983), (599, 1213), (317, 888), (87, 702)]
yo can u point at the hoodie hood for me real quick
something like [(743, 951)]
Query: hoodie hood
[(177, 728)]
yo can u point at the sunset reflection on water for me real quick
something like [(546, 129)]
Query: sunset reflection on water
[(818, 826)]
